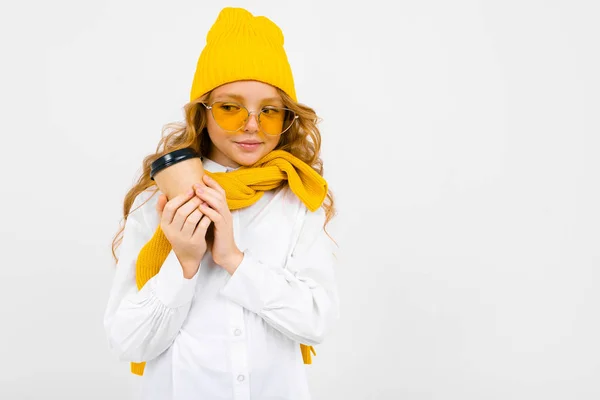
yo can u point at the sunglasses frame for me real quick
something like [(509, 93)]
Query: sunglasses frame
[(249, 113)]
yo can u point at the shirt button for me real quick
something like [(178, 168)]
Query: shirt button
[(237, 332), (241, 378)]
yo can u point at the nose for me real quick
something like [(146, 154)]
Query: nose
[(251, 123)]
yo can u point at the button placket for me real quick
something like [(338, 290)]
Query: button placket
[(239, 350)]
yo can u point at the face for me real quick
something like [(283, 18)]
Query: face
[(247, 145)]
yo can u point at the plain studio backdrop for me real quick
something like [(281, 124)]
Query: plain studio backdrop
[(462, 142)]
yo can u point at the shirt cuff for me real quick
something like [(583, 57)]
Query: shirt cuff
[(244, 286), (170, 286)]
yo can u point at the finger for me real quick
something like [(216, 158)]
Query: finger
[(190, 223), (213, 198), (172, 205), (184, 211), (210, 182), (214, 215), (160, 204), (202, 227)]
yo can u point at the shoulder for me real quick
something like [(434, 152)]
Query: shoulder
[(310, 220)]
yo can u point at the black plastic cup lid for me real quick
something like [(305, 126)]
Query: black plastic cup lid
[(172, 158)]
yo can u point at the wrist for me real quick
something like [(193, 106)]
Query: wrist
[(190, 270), (232, 263), (189, 267)]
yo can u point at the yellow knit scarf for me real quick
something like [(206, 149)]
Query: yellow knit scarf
[(243, 187)]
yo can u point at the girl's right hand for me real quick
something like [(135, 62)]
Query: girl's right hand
[(185, 228)]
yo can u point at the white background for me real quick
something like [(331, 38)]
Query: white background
[(462, 141)]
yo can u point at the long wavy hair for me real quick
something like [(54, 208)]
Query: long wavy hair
[(302, 140)]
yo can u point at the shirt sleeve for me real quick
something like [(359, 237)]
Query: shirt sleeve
[(300, 298), (140, 325)]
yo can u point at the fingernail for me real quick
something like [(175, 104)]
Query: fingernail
[(197, 185), (190, 192), (200, 190)]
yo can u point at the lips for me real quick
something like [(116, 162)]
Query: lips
[(248, 144), (249, 141)]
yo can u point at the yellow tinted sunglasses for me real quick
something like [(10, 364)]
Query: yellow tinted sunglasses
[(232, 116)]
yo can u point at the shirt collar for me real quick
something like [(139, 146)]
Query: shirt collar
[(213, 166)]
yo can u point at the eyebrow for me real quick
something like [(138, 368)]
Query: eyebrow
[(240, 97)]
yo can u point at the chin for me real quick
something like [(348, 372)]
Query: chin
[(247, 159)]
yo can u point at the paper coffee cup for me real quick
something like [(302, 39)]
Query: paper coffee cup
[(176, 172)]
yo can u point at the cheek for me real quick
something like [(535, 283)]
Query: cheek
[(216, 134), (271, 142)]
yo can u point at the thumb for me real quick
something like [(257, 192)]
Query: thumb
[(160, 204)]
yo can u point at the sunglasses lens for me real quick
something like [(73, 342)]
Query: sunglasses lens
[(229, 116), (274, 120)]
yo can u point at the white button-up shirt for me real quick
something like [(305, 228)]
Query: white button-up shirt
[(221, 336)]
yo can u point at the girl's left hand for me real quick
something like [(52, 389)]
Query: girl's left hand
[(224, 250)]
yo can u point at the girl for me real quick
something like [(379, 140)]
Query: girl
[(223, 318)]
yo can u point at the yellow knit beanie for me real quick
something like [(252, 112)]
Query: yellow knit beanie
[(240, 46)]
